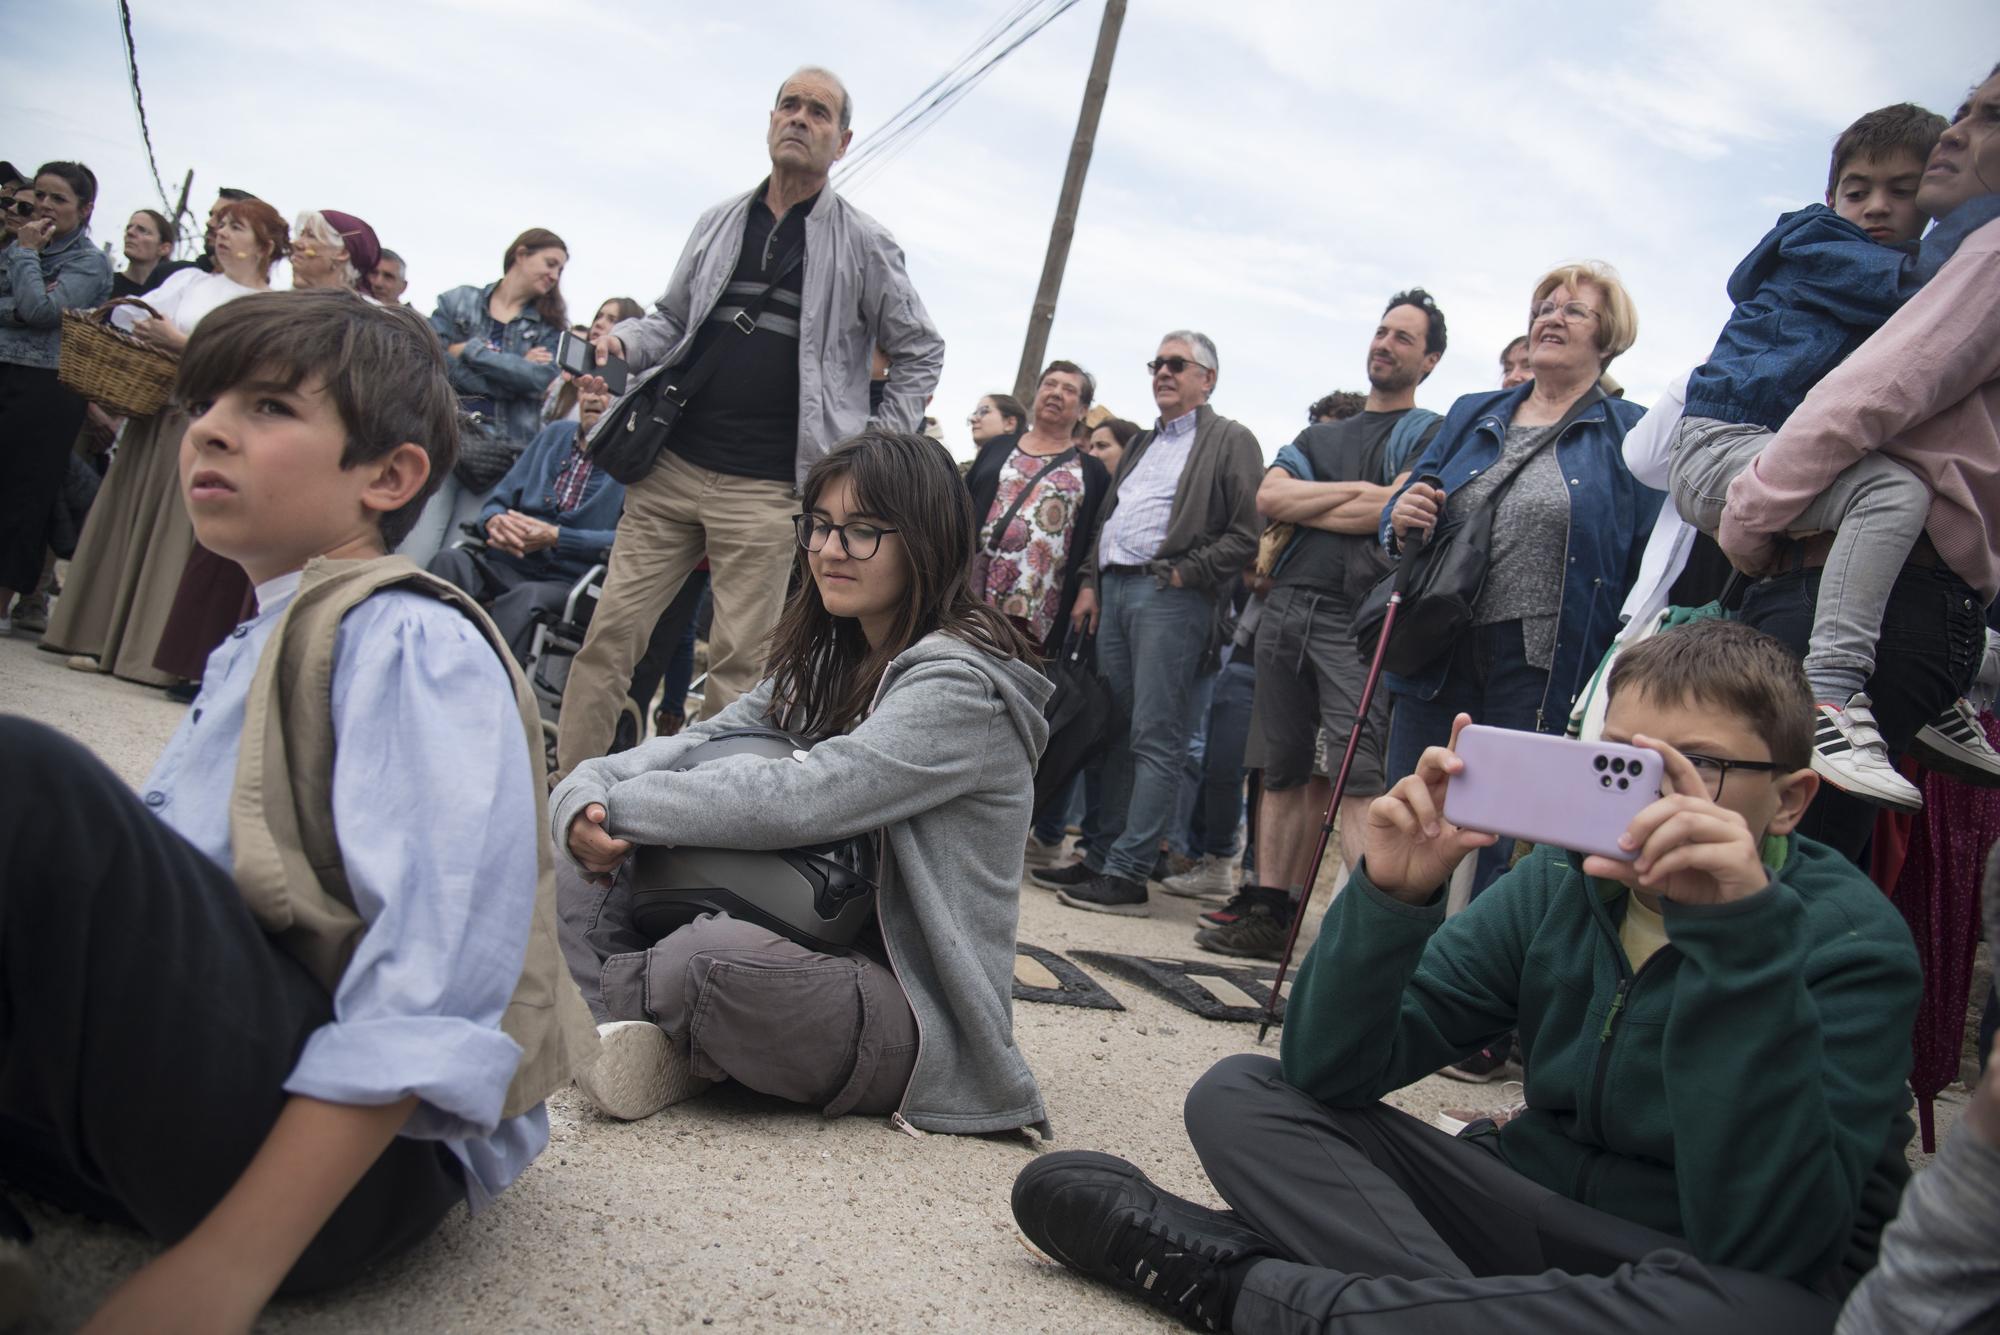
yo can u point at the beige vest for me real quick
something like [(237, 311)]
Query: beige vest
[(287, 852)]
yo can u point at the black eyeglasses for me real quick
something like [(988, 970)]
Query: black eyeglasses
[(1174, 364), (857, 539), (1716, 770)]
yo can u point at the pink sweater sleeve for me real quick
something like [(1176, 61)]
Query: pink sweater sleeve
[(1941, 346)]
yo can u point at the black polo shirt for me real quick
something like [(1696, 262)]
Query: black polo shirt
[(745, 421)]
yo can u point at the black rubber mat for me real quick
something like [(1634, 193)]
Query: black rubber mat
[(1073, 987), (1179, 981)]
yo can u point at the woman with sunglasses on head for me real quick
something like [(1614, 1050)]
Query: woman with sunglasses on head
[(50, 267), (924, 714), (1569, 526)]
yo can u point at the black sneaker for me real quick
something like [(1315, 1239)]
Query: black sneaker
[(1493, 1062), (1259, 934), (1063, 878), (1109, 894), (1102, 1218), (18, 1282), (1238, 905)]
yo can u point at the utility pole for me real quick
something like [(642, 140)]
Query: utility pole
[(180, 209), (1044, 315)]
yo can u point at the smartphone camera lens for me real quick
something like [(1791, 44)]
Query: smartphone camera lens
[(1632, 768), (1623, 784), (1618, 765), (1601, 763), (1604, 781)]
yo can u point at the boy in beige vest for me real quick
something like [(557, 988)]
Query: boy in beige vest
[(300, 996)]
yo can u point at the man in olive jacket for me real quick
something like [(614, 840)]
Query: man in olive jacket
[(1180, 522)]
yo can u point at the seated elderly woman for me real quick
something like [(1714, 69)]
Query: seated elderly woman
[(1568, 530)]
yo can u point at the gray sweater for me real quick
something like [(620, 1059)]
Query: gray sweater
[(944, 767)]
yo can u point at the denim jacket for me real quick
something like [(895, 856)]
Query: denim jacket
[(70, 273), (1810, 292), (515, 384), (1611, 515)]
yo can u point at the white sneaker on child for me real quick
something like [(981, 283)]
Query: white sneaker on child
[(1210, 877), (1849, 753), (638, 1071), (1953, 743)]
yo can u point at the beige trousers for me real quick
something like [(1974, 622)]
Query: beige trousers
[(673, 517)]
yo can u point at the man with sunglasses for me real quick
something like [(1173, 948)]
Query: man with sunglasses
[(1180, 522)]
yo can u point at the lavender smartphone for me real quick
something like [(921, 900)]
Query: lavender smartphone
[(1551, 790)]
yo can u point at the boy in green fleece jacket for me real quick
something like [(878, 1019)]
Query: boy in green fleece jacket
[(1716, 1038)]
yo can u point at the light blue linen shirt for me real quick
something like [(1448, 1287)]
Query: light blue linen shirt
[(434, 800), (1138, 526)]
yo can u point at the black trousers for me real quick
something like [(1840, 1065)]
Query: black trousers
[(147, 1024), (1933, 635), (1386, 1224), (509, 595), (39, 420)]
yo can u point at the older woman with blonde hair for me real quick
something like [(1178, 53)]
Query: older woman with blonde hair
[(1569, 525)]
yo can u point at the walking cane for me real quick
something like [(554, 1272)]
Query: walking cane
[(1340, 779)]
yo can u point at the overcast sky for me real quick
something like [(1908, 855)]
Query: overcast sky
[(1266, 171)]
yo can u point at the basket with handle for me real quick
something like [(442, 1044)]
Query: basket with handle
[(120, 372)]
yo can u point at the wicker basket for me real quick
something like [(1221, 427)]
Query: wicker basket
[(120, 372)]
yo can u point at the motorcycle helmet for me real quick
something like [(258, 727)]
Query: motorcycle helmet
[(821, 896)]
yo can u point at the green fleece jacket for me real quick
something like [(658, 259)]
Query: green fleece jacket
[(1744, 1091)]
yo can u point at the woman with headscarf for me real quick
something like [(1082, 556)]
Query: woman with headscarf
[(333, 249), (128, 561)]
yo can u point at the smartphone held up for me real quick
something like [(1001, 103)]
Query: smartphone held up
[(1551, 790), (577, 357)]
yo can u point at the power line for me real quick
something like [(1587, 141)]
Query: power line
[(139, 102), (928, 107)]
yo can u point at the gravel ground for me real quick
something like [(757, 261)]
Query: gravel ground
[(732, 1211)]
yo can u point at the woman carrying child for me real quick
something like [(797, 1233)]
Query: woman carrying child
[(925, 707)]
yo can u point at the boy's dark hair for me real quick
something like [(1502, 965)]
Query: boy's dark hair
[(1904, 127), (1425, 302), (381, 366), (76, 176), (1089, 395), (1336, 407), (1727, 665)]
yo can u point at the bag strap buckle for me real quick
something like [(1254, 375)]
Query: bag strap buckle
[(743, 321)]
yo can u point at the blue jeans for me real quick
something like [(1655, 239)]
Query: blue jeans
[(1215, 808), (1181, 833), (1150, 641), (1489, 679)]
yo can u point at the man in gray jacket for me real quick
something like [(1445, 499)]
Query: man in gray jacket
[(1180, 522), (795, 386)]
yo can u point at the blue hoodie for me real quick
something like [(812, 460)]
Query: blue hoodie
[(1806, 296)]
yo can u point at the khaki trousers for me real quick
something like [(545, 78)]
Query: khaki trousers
[(674, 516)]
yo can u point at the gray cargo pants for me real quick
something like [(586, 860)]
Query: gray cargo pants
[(1390, 1225), (1875, 509), (831, 1031)]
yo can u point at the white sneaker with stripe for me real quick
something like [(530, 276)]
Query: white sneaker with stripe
[(1849, 753), (1953, 743)]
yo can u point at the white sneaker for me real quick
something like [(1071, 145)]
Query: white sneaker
[(638, 1071), (1041, 854), (1209, 878), (1953, 743), (1849, 753)]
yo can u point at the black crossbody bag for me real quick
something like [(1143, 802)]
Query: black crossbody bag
[(1449, 572), (627, 443), (1021, 498)]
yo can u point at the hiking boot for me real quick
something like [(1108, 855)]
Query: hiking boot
[(19, 1284), (1491, 1063), (1237, 905), (638, 1071), (1953, 743), (1041, 854), (1109, 894), (1063, 878), (1210, 877), (1102, 1218), (1259, 934), (1849, 753)]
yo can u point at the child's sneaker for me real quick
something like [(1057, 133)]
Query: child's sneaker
[(1953, 743), (1849, 753), (638, 1071), (1210, 877)]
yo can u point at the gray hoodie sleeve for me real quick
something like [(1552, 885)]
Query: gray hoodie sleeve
[(926, 743), (593, 780), (1938, 1271)]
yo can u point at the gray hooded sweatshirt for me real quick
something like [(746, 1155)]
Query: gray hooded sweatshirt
[(944, 767)]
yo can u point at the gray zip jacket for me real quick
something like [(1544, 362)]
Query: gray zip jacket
[(944, 767), (857, 296)]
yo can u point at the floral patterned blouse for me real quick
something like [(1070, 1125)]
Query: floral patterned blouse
[(1020, 572)]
